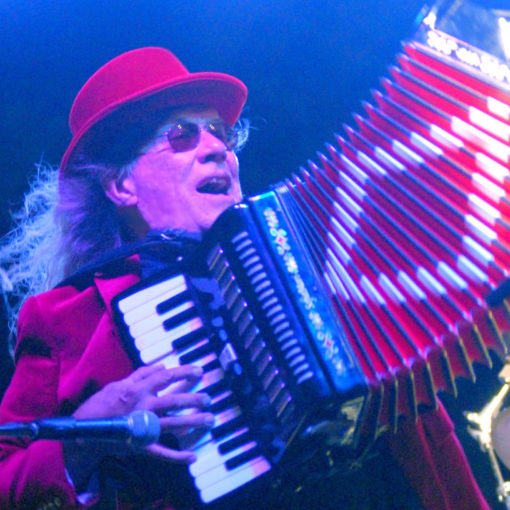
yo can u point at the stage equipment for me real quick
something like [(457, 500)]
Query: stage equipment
[(140, 428)]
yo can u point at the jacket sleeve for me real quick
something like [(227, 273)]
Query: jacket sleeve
[(32, 474)]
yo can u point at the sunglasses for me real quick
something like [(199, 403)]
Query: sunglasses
[(185, 136)]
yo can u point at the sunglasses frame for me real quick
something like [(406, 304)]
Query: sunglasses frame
[(187, 133)]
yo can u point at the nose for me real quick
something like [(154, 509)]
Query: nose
[(211, 148)]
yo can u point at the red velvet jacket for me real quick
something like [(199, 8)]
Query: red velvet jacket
[(68, 347)]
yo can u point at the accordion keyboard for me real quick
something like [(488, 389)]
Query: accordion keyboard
[(164, 325)]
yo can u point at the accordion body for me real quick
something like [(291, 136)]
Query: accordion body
[(343, 300)]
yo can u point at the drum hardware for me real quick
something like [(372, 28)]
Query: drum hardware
[(482, 428)]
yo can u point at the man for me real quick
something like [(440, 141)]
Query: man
[(150, 167), (118, 180)]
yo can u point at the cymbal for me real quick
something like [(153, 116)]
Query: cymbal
[(500, 434)]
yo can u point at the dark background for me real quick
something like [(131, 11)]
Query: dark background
[(308, 65)]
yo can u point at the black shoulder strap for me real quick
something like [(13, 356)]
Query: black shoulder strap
[(115, 262)]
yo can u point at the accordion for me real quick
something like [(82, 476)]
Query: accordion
[(343, 300)]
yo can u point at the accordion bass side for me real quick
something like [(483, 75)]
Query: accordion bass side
[(348, 296)]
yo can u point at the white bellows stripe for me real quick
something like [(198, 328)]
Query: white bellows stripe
[(478, 252), (479, 229), (489, 123), (498, 108), (425, 145), (487, 187), (444, 137), (451, 276), (474, 135), (390, 289), (409, 284), (483, 208), (372, 291), (407, 154), (430, 282), (493, 168)]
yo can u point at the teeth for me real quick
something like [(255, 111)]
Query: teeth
[(215, 185)]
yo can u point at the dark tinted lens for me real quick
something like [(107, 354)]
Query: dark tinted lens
[(183, 136)]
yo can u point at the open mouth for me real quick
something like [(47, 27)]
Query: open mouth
[(215, 186)]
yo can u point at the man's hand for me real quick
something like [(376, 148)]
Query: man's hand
[(140, 391)]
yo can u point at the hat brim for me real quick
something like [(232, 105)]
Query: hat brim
[(222, 92)]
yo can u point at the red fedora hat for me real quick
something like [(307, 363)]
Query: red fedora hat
[(147, 78)]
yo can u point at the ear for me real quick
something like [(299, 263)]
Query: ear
[(123, 193)]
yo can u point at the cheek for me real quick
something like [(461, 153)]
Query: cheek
[(233, 164)]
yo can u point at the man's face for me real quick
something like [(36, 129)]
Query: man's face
[(184, 190)]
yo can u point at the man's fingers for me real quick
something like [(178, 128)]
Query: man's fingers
[(169, 423), (143, 372), (179, 457), (177, 401), (183, 386), (159, 379)]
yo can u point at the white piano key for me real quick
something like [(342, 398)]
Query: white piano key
[(193, 443), (429, 281), (222, 396), (176, 284), (163, 348), (448, 273), (159, 333), (227, 481), (425, 145), (170, 361), (208, 379), (481, 206), (148, 309), (215, 459), (173, 360), (204, 448), (139, 329)]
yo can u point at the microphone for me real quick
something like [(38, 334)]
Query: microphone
[(139, 428)]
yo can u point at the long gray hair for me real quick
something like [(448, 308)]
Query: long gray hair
[(63, 224)]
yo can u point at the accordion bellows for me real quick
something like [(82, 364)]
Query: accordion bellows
[(408, 220)]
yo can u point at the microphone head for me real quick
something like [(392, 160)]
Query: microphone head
[(145, 428)]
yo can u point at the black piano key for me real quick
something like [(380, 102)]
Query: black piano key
[(188, 340), (221, 405), (211, 365), (180, 318), (195, 354), (228, 446), (215, 388), (242, 458), (173, 302), (228, 428)]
